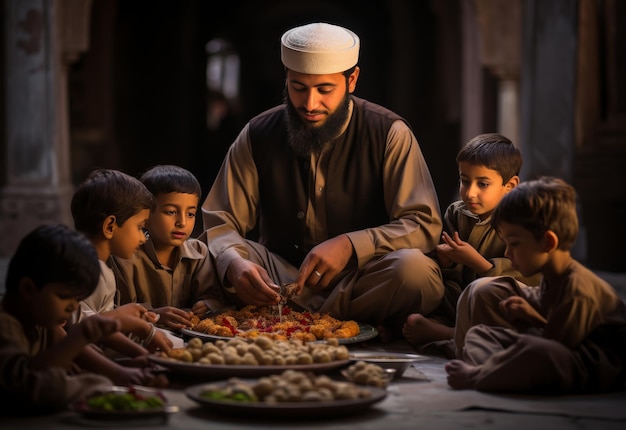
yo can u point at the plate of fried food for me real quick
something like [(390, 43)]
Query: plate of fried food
[(241, 357), (290, 394), (252, 321)]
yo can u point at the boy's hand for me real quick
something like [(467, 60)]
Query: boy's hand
[(460, 252), (516, 308), (160, 342), (200, 308), (133, 310), (174, 318), (97, 327), (127, 376), (442, 258), (455, 249), (151, 317)]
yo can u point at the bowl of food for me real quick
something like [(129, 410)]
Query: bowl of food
[(364, 373), (400, 361), (125, 403)]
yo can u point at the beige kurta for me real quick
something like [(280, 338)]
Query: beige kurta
[(143, 279), (391, 276), (106, 298), (484, 239), (23, 388), (582, 347), (103, 299)]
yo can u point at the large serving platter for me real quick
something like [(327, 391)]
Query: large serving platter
[(220, 371), (366, 332), (285, 409)]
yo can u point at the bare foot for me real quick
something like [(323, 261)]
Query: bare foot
[(419, 330), (461, 376)]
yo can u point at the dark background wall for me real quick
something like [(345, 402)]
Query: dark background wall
[(138, 96)]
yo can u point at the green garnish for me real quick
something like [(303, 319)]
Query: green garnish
[(226, 395), (124, 402)]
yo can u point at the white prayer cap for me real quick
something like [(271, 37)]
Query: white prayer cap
[(319, 49)]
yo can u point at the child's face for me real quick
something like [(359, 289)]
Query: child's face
[(53, 304), (173, 219), (527, 253), (127, 238), (481, 189)]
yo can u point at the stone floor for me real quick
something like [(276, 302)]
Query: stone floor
[(419, 400)]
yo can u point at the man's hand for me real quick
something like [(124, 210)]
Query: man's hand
[(252, 283), (324, 262)]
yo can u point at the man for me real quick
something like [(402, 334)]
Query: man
[(337, 190)]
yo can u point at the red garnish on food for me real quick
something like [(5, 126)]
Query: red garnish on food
[(252, 320), (228, 325)]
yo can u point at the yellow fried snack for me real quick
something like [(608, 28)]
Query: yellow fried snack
[(347, 329), (252, 321), (180, 354)]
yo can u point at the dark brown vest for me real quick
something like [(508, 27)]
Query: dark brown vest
[(354, 183)]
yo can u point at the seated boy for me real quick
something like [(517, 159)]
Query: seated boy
[(489, 167), (567, 335), (111, 208), (52, 269), (172, 273)]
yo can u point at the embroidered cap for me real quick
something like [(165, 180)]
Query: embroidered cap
[(319, 49)]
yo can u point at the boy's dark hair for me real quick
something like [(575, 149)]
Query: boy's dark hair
[(164, 179), (540, 205), (108, 192), (51, 254), (494, 151)]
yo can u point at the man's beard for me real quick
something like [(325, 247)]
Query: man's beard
[(306, 139)]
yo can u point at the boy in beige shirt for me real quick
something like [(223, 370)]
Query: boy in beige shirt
[(171, 274), (43, 366), (111, 208), (566, 335), (489, 167)]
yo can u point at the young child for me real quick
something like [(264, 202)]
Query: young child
[(567, 335), (489, 166), (171, 273), (111, 208), (52, 269)]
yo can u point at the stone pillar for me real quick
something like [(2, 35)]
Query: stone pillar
[(41, 38), (472, 78), (500, 29), (549, 87), (549, 95)]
